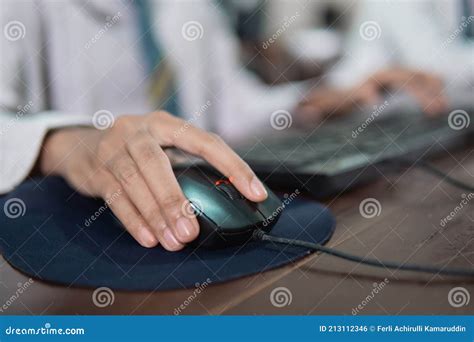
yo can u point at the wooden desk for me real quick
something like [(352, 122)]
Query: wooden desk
[(407, 230)]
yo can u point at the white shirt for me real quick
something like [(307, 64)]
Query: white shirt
[(424, 35), (61, 65)]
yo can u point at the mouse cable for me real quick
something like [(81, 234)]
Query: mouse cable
[(438, 173), (260, 235)]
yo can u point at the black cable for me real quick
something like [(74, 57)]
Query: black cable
[(438, 173), (262, 236)]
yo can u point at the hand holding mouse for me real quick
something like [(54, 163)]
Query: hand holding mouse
[(129, 159)]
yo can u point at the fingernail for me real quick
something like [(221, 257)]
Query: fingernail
[(147, 238), (185, 229), (170, 240), (257, 188)]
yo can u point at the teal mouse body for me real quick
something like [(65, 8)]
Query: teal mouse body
[(226, 218)]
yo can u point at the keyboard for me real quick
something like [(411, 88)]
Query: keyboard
[(342, 144)]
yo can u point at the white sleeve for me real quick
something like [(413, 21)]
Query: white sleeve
[(21, 140), (205, 54), (24, 120), (366, 48), (245, 103), (403, 33), (427, 43)]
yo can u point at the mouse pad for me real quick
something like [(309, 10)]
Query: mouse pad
[(44, 233)]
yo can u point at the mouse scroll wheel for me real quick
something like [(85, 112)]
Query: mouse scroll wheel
[(227, 188)]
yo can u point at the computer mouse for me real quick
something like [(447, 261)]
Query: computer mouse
[(225, 216)]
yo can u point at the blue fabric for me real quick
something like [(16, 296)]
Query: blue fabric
[(152, 50), (52, 242), (468, 12)]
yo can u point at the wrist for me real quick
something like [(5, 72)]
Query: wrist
[(57, 145)]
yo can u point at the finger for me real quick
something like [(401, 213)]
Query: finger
[(430, 81), (125, 211), (211, 148), (428, 90), (127, 173), (369, 94), (335, 102), (435, 87), (427, 101), (156, 169), (308, 114)]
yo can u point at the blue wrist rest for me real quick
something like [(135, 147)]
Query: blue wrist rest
[(44, 234)]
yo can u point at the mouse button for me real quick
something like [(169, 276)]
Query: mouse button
[(271, 206), (244, 214), (193, 186), (194, 175), (228, 189), (216, 206)]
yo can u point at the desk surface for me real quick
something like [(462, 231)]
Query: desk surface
[(408, 229)]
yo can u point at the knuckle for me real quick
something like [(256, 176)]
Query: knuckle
[(145, 149), (124, 123), (215, 136), (112, 193), (130, 225), (208, 142), (157, 221), (150, 210), (160, 156), (243, 168), (128, 218), (127, 173), (133, 225), (110, 190), (202, 149), (148, 153), (173, 138), (172, 204), (160, 115), (104, 148), (216, 139), (151, 214)]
